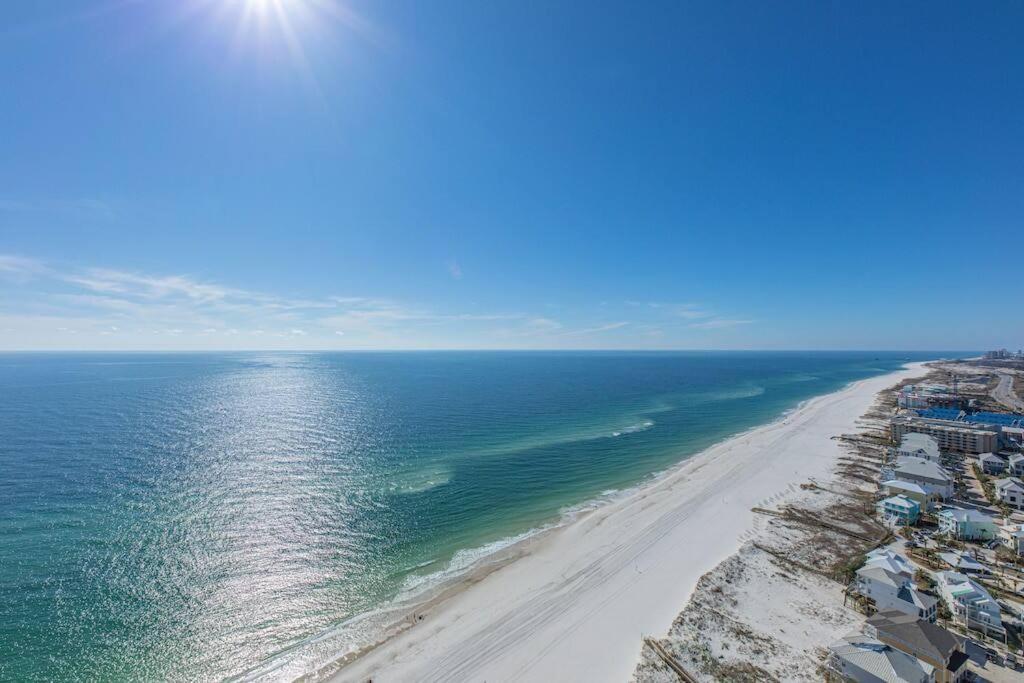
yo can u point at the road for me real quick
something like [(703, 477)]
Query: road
[(1003, 392)]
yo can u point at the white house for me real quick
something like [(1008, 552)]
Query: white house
[(916, 445), (970, 604), (887, 559), (990, 463), (967, 524), (1010, 491), (889, 590), (1016, 465), (1012, 536), (928, 475)]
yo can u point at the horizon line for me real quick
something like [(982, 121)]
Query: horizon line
[(494, 350)]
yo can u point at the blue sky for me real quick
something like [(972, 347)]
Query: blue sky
[(314, 174)]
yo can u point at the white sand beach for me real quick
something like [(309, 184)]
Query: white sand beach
[(576, 603)]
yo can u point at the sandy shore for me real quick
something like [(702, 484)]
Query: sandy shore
[(576, 602)]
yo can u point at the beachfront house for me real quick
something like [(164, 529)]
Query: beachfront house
[(891, 591), (887, 559), (917, 445), (967, 524), (970, 604), (1010, 491), (926, 641), (913, 491), (1016, 465), (899, 510), (1012, 536), (863, 659), (990, 463), (930, 476)]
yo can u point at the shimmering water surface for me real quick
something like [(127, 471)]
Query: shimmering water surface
[(191, 516)]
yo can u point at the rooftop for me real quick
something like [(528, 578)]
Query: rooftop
[(908, 486), (965, 515), (919, 636), (1009, 483), (918, 467), (901, 501), (880, 660), (962, 562), (919, 442), (890, 561)]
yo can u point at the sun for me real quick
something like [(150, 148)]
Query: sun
[(264, 34)]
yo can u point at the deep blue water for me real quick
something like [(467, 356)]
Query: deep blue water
[(189, 516)]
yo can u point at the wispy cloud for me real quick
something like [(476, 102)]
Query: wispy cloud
[(454, 269), (184, 305), (107, 307), (20, 266), (541, 323), (687, 311), (607, 327), (720, 323)]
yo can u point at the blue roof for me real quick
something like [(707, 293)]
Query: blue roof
[(941, 413), (1002, 419)]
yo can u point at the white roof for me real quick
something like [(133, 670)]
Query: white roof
[(961, 561), (915, 441), (889, 561), (908, 486), (966, 515), (962, 587), (881, 661), (919, 467), (1008, 483), (901, 501), (1015, 530), (882, 575)]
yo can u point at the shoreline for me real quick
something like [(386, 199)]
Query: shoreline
[(615, 573)]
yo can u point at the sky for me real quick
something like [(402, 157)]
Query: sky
[(320, 174)]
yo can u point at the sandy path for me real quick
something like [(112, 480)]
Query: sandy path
[(576, 605)]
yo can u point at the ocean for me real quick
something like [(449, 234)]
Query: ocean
[(197, 516)]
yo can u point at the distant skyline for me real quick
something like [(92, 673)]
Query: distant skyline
[(313, 174)]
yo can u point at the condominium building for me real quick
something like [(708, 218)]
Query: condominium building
[(950, 436)]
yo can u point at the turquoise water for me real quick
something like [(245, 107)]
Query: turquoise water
[(191, 516)]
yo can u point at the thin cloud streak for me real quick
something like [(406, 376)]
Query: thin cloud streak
[(719, 323), (595, 330), (188, 305)]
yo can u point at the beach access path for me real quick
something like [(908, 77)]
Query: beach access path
[(576, 604)]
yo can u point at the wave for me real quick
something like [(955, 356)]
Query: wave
[(633, 429), (746, 391), (462, 561), (420, 481), (802, 377)]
